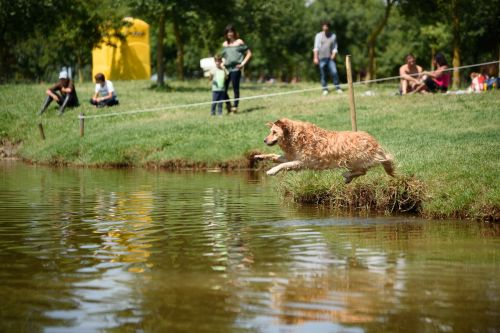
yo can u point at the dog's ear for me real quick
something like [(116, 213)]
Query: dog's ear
[(269, 124), (281, 123)]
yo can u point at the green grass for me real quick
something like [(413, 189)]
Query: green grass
[(448, 144)]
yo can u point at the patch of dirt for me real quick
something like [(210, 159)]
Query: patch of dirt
[(8, 149)]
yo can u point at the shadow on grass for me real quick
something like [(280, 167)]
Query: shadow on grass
[(268, 87), (255, 108), (169, 88), (186, 86)]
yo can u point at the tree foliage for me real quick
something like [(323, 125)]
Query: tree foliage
[(42, 36), (46, 35)]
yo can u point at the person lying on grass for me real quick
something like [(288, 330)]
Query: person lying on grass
[(105, 94)]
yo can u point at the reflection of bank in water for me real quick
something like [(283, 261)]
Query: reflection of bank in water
[(344, 284), (124, 221), (228, 249), (341, 297)]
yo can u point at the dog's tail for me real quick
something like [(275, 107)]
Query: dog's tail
[(388, 164)]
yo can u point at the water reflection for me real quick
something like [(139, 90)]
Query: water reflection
[(119, 250)]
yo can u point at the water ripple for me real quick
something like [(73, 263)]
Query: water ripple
[(96, 250)]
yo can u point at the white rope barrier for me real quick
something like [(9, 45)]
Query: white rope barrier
[(416, 74), (181, 106)]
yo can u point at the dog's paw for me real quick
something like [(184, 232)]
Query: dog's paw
[(272, 172), (347, 177)]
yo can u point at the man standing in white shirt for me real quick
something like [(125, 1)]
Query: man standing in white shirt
[(325, 51), (104, 92)]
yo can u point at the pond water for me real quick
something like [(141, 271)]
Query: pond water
[(86, 250)]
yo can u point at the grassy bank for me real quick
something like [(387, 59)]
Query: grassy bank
[(447, 147)]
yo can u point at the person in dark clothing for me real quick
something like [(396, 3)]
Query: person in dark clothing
[(236, 55), (63, 92)]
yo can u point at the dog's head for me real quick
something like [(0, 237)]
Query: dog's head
[(278, 132)]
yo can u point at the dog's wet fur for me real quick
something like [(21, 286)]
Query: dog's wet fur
[(306, 146)]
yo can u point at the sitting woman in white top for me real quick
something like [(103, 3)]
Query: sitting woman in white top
[(105, 94)]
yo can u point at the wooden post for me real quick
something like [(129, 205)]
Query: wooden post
[(82, 124), (352, 105), (42, 134)]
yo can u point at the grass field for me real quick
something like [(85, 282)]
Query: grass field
[(446, 147)]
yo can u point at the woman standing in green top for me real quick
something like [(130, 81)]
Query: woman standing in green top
[(236, 55)]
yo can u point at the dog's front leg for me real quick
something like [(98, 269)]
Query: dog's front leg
[(294, 165), (273, 157)]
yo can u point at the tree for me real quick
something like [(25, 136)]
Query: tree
[(359, 26), (437, 36), (372, 38), (377, 33), (471, 22), (156, 11), (277, 33), (83, 26), (20, 20), (47, 35), (188, 20)]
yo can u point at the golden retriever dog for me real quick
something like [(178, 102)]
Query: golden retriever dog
[(306, 146)]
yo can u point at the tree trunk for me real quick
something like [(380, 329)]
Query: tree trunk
[(433, 54), (370, 75), (179, 61), (160, 69), (80, 69), (5, 64), (80, 74), (456, 43)]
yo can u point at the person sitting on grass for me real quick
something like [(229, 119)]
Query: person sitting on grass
[(67, 97), (410, 74), (437, 80), (104, 92), (218, 75)]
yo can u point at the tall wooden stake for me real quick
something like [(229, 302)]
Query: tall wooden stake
[(42, 134), (82, 124), (352, 104)]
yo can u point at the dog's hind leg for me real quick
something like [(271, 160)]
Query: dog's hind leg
[(350, 175), (387, 162), (388, 167), (294, 165)]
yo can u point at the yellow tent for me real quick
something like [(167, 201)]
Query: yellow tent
[(125, 60)]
